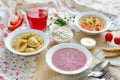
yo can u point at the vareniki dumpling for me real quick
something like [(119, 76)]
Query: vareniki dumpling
[(39, 39), (28, 42), (30, 50), (19, 44), (33, 42), (26, 36), (23, 46)]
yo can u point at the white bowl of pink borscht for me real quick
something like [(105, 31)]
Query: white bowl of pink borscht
[(68, 58)]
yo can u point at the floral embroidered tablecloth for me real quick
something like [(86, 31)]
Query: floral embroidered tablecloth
[(15, 67)]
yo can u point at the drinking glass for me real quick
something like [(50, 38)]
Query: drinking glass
[(37, 18)]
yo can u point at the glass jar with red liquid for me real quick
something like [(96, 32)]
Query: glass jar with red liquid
[(37, 18)]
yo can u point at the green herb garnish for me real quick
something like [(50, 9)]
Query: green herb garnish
[(74, 17), (51, 18), (67, 19), (73, 21), (50, 24), (64, 17), (60, 22)]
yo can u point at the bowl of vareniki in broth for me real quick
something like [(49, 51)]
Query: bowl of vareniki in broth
[(26, 42)]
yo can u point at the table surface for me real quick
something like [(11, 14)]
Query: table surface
[(43, 72)]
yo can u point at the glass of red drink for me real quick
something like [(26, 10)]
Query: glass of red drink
[(37, 18)]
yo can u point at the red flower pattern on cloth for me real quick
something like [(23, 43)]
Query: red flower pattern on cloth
[(5, 34), (1, 77), (50, 2), (20, 3), (14, 66), (1, 26), (1, 44), (72, 7)]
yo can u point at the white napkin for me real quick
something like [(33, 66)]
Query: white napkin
[(114, 61)]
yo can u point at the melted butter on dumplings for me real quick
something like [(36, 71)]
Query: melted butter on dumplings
[(28, 42)]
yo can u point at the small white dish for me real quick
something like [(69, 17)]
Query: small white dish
[(87, 42), (61, 34), (53, 27), (104, 18), (12, 35), (55, 48)]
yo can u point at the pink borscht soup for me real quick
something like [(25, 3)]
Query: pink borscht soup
[(69, 59)]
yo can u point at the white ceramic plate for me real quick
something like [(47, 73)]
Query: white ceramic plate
[(12, 35), (105, 19), (68, 45), (59, 34)]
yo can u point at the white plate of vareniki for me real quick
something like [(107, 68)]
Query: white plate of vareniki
[(27, 42)]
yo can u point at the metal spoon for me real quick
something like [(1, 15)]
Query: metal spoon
[(100, 69), (97, 71)]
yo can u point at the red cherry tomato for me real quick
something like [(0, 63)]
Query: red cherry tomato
[(117, 40), (109, 37)]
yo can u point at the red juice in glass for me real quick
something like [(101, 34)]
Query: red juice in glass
[(37, 18)]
